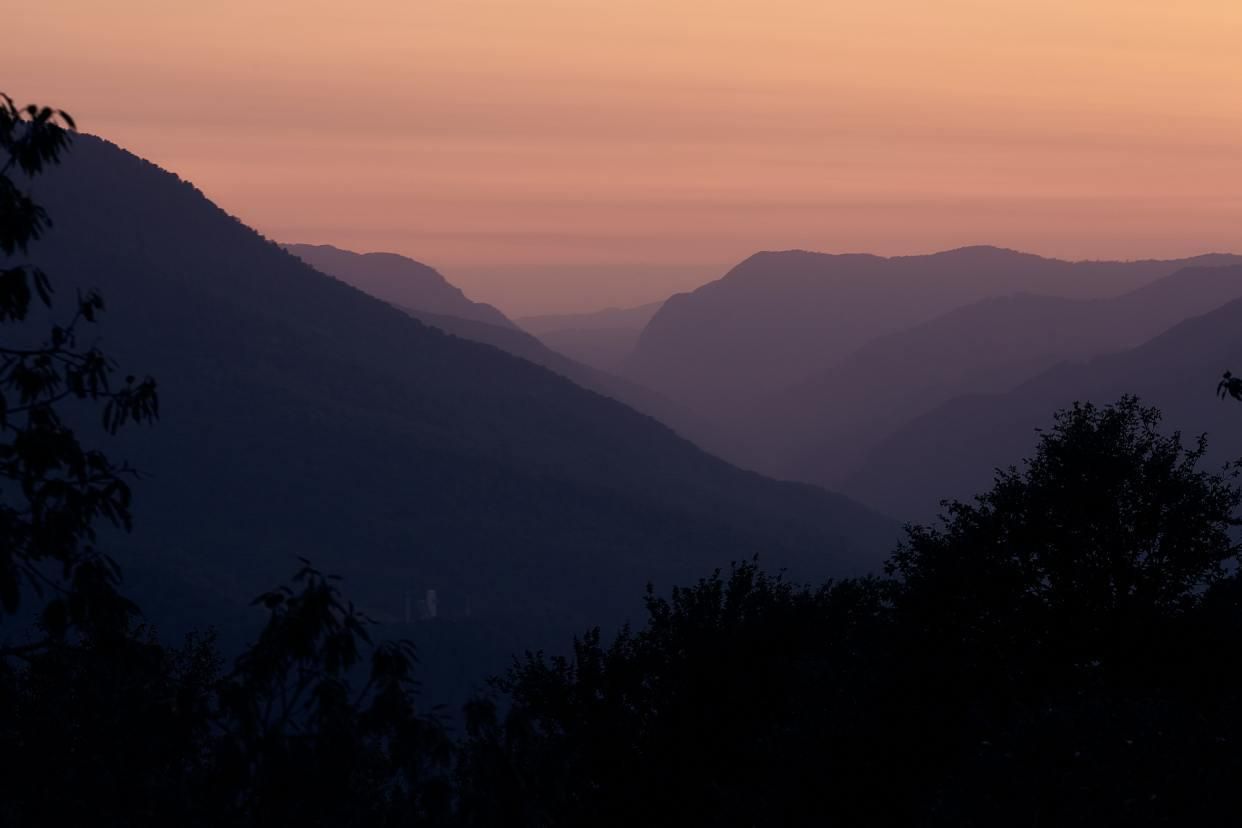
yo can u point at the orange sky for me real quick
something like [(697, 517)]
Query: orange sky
[(568, 154)]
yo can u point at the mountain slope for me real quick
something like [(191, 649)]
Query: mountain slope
[(348, 266), (304, 417), (952, 450), (778, 318), (398, 280), (607, 318), (821, 429), (604, 338)]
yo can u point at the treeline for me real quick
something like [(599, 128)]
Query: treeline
[(1064, 649)]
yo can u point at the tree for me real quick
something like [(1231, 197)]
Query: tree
[(1060, 651), (102, 722), (313, 725), (1229, 386), (1056, 629), (726, 708), (53, 489), (1109, 528), (109, 731), (314, 735)]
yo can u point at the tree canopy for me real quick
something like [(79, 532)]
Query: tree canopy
[(103, 722), (1056, 651), (53, 489)]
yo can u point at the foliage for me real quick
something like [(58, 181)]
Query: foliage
[(1059, 651), (106, 731), (702, 717), (1109, 529), (102, 723), (301, 745), (1229, 386), (299, 731), (54, 490), (1050, 624)]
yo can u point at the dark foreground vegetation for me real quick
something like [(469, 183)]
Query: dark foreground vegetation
[(1062, 650)]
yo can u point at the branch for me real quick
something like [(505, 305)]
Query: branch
[(24, 651)]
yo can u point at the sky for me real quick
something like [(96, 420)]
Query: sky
[(560, 155)]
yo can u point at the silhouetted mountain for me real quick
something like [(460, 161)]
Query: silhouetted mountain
[(301, 416), (603, 338), (778, 318), (952, 450), (398, 280), (506, 336), (820, 430)]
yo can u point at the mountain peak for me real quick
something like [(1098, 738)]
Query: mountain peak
[(780, 316), (303, 417), (398, 280)]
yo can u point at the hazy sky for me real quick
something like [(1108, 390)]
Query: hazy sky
[(557, 154)]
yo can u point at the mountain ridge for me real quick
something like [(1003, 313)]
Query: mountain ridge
[(302, 417), (346, 265), (777, 317), (987, 346), (966, 437), (399, 280)]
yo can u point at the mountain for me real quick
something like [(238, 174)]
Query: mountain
[(821, 429), (779, 318), (603, 338), (303, 417), (398, 280), (371, 272), (952, 450)]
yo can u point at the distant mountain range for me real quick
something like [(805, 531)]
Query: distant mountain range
[(398, 280), (428, 296), (414, 440), (603, 338), (822, 429), (846, 423), (951, 451), (303, 417), (778, 319)]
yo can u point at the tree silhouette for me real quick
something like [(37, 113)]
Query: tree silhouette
[(1055, 627), (1059, 651), (1109, 528), (725, 709), (312, 734), (104, 724), (105, 731), (54, 489), (313, 725), (1229, 386)]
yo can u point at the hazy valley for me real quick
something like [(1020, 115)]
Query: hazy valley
[(388, 450)]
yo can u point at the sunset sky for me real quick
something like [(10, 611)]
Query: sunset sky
[(570, 154)]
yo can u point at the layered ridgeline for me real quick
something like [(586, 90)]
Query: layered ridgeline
[(303, 417), (603, 338), (422, 292), (951, 451), (398, 280), (778, 319), (821, 430)]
